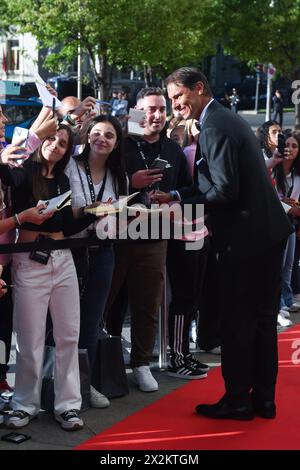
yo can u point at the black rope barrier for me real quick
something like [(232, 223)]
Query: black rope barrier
[(50, 244)]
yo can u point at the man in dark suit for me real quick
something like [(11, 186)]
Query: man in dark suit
[(250, 229)]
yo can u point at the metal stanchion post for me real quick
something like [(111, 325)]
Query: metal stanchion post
[(162, 329)]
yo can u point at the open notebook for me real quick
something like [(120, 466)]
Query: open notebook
[(57, 203), (111, 208)]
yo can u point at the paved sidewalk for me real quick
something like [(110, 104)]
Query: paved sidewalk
[(256, 120), (46, 433)]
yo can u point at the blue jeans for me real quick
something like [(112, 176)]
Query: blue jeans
[(287, 267), (101, 266)]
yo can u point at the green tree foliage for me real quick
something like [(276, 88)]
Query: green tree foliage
[(137, 33), (263, 31), (259, 31)]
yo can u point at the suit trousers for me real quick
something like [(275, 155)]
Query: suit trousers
[(142, 266), (250, 294), (38, 287)]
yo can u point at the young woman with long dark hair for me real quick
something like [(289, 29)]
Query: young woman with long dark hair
[(97, 174), (50, 283)]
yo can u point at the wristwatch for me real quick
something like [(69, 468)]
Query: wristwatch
[(174, 195)]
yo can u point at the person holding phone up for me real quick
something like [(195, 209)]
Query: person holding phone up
[(269, 135), (42, 280), (8, 235), (280, 159), (287, 183)]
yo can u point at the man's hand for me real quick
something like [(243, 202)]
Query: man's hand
[(143, 178), (86, 106), (290, 201), (294, 211), (86, 121), (159, 197)]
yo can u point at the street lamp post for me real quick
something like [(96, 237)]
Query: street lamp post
[(270, 75), (257, 91), (79, 71)]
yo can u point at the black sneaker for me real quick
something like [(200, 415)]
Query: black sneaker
[(70, 420), (18, 419), (189, 358), (187, 371)]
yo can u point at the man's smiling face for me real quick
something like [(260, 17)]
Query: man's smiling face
[(189, 103)]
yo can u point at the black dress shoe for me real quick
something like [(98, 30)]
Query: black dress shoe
[(265, 409), (222, 410)]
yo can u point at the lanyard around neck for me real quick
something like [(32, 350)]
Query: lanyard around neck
[(292, 185), (90, 183), (143, 156)]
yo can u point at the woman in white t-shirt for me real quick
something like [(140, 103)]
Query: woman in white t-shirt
[(287, 178), (97, 174)]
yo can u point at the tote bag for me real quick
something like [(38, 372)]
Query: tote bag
[(109, 374)]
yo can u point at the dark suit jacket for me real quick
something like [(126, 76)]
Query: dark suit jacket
[(246, 214)]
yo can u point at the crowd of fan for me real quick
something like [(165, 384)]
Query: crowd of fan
[(91, 155)]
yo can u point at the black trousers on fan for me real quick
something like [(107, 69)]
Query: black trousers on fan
[(186, 270)]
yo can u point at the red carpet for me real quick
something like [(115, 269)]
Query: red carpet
[(170, 423)]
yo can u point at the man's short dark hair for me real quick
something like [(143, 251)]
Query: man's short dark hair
[(149, 92), (189, 77)]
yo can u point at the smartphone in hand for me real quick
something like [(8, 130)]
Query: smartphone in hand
[(160, 164), (281, 145), (136, 116), (20, 138), (10, 87), (97, 108)]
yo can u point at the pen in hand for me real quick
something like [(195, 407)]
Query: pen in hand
[(53, 107), (6, 286)]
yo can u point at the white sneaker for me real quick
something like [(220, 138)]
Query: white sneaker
[(193, 331), (18, 419), (216, 350), (70, 420), (295, 307), (284, 312), (296, 298), (144, 379), (283, 321), (97, 399)]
